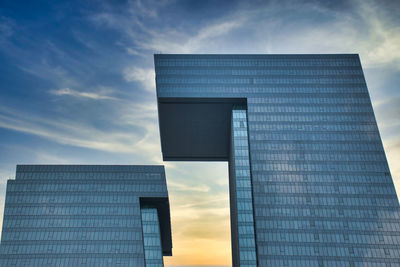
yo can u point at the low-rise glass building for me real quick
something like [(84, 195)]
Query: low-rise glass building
[(86, 215)]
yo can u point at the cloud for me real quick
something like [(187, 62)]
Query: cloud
[(145, 76), (6, 173), (204, 39), (218, 201), (392, 149), (184, 187), (388, 112), (79, 94), (201, 221), (146, 9), (384, 37), (127, 126), (138, 23), (70, 131), (363, 27)]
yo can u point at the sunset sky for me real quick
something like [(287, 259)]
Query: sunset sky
[(77, 86)]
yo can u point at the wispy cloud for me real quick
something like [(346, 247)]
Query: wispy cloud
[(206, 39), (392, 148), (272, 28), (145, 77), (388, 112), (74, 133), (186, 188), (80, 94), (383, 36), (146, 8), (95, 107)]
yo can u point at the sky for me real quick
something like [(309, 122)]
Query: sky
[(77, 86)]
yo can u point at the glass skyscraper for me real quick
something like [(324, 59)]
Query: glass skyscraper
[(86, 215), (309, 180)]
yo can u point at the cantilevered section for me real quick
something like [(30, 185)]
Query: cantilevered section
[(196, 128), (196, 93)]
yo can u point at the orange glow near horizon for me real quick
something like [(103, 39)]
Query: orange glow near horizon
[(200, 218)]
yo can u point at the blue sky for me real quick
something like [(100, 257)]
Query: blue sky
[(77, 85)]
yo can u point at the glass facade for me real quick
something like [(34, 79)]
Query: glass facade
[(322, 191), (241, 192), (67, 215), (151, 237)]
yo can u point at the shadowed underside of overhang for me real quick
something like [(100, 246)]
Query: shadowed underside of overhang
[(196, 129)]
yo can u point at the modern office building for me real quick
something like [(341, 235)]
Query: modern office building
[(309, 180), (93, 215)]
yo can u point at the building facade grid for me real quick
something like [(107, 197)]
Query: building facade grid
[(322, 191), (77, 215)]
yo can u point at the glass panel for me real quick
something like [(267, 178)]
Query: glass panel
[(240, 165), (151, 238)]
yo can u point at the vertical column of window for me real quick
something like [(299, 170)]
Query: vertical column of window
[(151, 237), (244, 198)]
